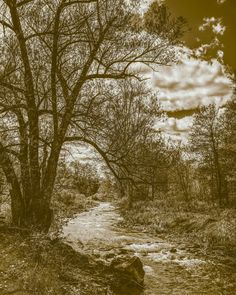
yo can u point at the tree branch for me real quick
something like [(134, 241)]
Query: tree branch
[(12, 87)]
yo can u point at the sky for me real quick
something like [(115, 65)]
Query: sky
[(202, 76), (195, 11)]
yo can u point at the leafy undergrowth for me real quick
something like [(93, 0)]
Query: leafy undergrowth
[(210, 227), (34, 264)]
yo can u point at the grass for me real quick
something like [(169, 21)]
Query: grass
[(39, 264), (36, 265), (194, 221)]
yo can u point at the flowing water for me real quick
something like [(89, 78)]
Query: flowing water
[(170, 269)]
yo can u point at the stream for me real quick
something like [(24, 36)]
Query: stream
[(169, 268)]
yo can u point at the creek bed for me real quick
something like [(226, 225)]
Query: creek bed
[(170, 269)]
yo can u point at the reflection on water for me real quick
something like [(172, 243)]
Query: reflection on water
[(169, 270)]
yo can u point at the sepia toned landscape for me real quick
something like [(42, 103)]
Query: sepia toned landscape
[(117, 147)]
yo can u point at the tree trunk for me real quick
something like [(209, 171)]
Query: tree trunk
[(17, 209), (39, 215), (17, 202), (217, 170)]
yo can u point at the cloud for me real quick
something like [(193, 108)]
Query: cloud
[(221, 1), (215, 24), (191, 84), (176, 129)]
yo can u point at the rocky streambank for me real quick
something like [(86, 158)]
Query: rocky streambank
[(125, 255)]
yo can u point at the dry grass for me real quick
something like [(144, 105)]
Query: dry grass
[(36, 265), (208, 225)]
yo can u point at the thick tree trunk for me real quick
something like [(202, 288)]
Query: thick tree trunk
[(17, 203), (27, 211), (39, 215), (32, 110), (17, 209)]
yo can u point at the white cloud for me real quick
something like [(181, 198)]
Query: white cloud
[(218, 28), (191, 84), (176, 125), (213, 23), (221, 1), (176, 129)]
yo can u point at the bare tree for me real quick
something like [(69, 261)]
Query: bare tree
[(56, 59), (206, 142), (182, 170), (121, 129)]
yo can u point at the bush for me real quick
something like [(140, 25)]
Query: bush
[(79, 177)]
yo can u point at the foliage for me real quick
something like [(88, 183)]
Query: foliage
[(77, 176), (158, 19), (85, 180)]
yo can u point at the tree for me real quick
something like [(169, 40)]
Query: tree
[(149, 166), (228, 120), (158, 19), (206, 142), (228, 151), (85, 179), (122, 127), (76, 176), (60, 60), (181, 170)]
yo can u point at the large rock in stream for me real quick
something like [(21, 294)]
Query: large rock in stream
[(125, 271), (130, 267), (129, 273)]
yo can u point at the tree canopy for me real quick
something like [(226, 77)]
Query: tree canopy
[(60, 77)]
